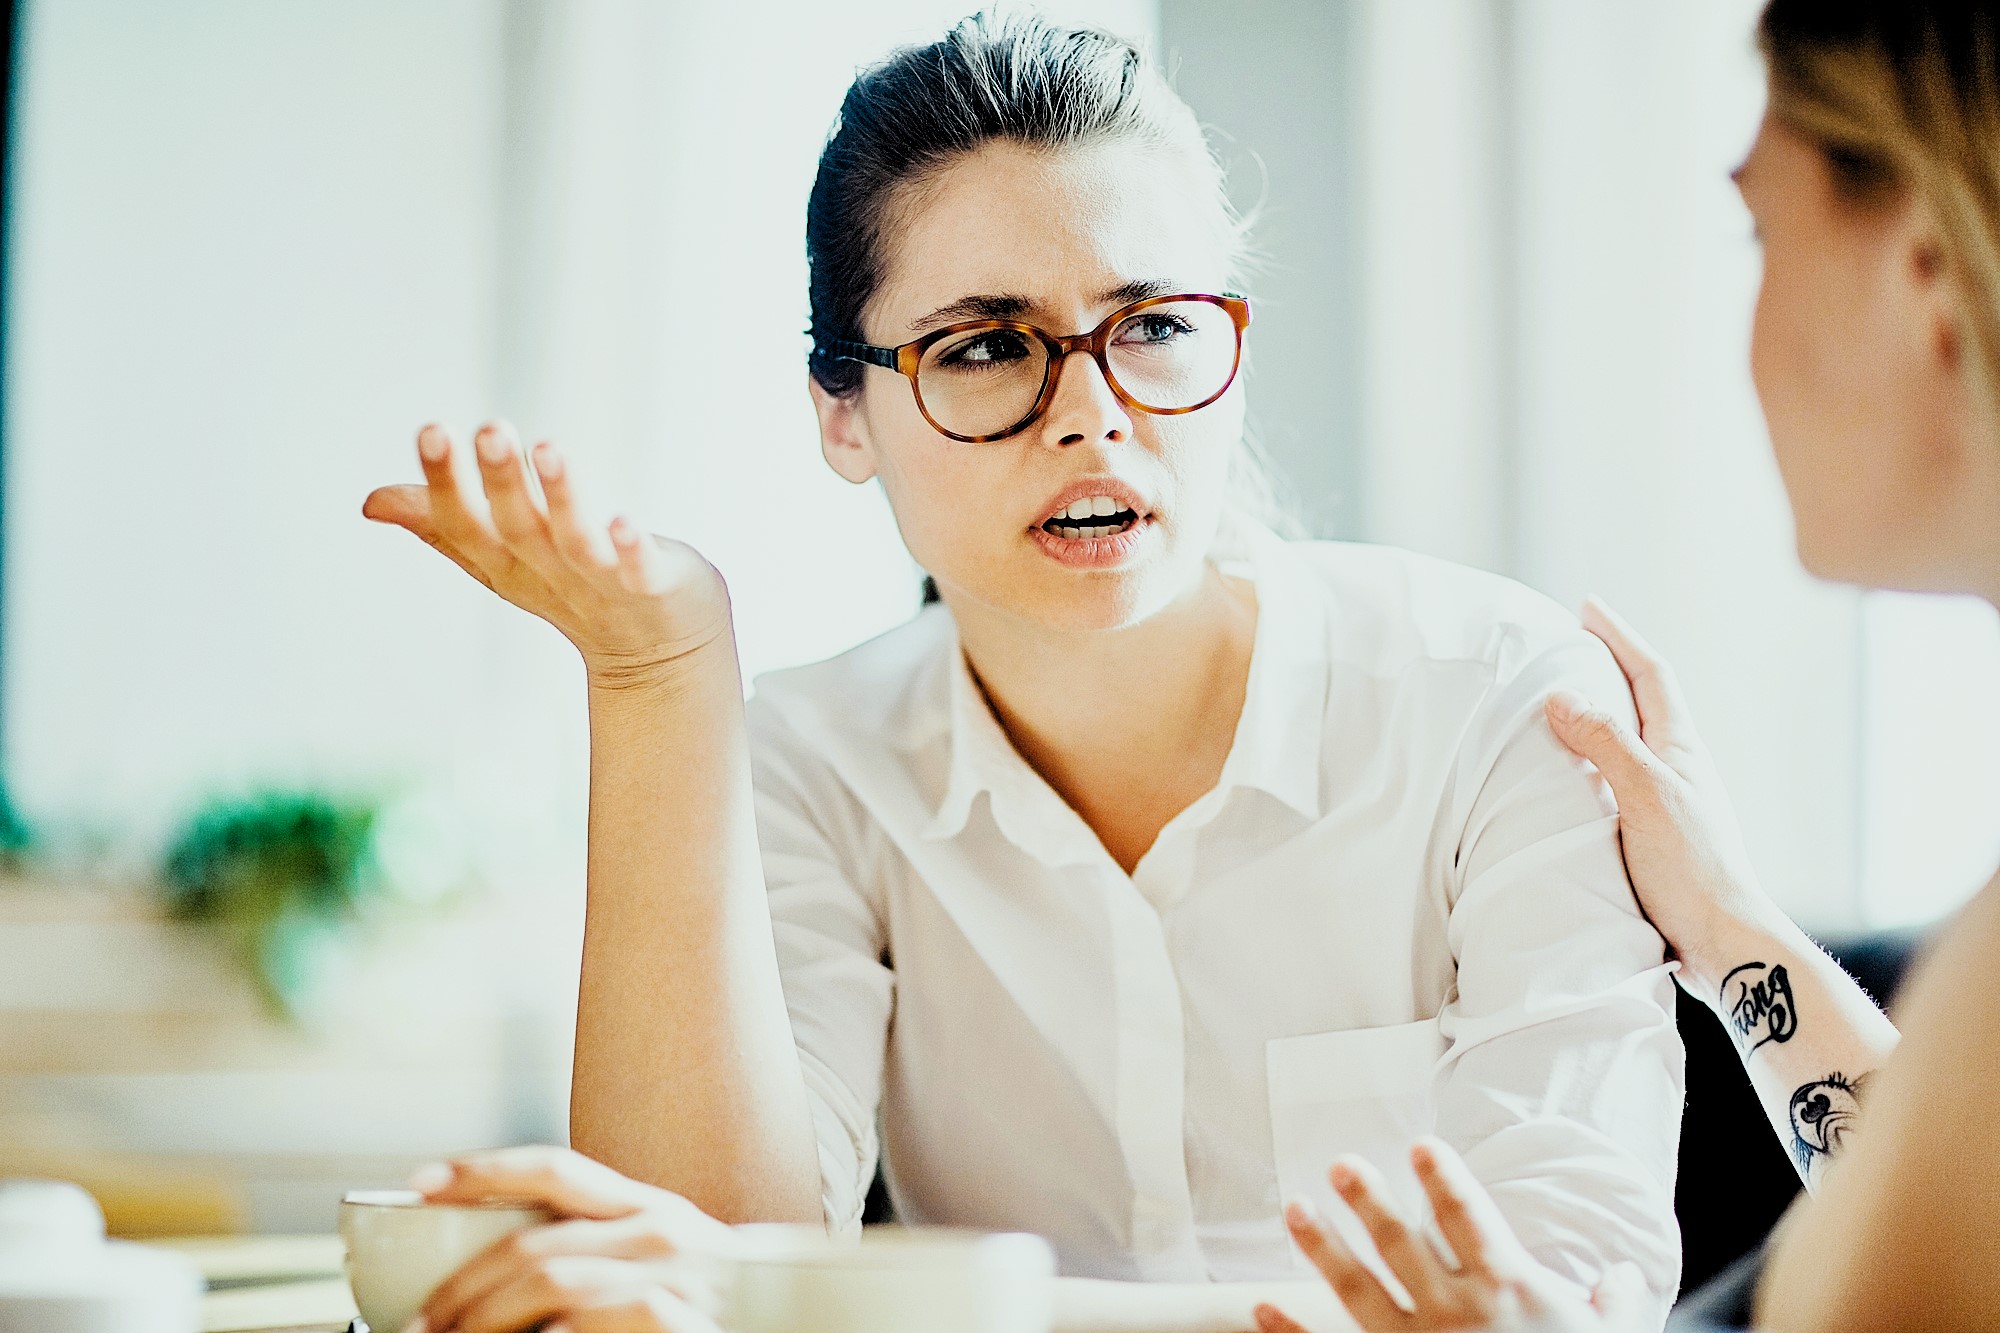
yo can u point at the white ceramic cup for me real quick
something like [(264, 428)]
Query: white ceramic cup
[(58, 1274), (399, 1247), (786, 1279)]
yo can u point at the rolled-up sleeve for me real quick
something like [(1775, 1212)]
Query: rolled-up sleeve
[(832, 954), (1563, 1074)]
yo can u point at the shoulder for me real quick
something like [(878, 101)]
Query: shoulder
[(889, 691), (1388, 609)]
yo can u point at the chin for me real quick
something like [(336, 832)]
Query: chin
[(1881, 565), (1096, 604)]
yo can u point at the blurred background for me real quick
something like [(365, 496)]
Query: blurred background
[(294, 821)]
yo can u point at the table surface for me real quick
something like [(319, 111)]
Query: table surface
[(269, 1283)]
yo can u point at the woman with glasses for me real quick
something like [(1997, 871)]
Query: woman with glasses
[(1161, 862)]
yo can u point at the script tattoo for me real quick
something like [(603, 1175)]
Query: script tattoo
[(1822, 1113), (1762, 1008)]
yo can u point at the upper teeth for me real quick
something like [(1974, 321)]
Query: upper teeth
[(1094, 506)]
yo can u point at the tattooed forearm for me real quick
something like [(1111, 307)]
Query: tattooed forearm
[(1758, 1000), (1822, 1113)]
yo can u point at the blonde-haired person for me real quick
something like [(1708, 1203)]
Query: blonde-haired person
[(1875, 184)]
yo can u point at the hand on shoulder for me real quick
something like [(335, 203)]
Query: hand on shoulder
[(1683, 847)]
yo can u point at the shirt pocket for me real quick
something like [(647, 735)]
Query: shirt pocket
[(1367, 1091)]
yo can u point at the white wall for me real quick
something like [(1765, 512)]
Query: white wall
[(1268, 82), (1645, 469), (257, 245)]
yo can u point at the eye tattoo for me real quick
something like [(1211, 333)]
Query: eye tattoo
[(1822, 1113), (1762, 1009)]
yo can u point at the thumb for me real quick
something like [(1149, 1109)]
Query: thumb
[(1620, 1295), (1594, 734), (566, 1182)]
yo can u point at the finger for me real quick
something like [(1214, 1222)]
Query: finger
[(1270, 1319), (1633, 770), (641, 568), (1663, 713), (1358, 1289), (1466, 1214), (409, 508), (505, 481), (1413, 1262), (453, 510), (564, 1181), (579, 541), (405, 506), (533, 1295)]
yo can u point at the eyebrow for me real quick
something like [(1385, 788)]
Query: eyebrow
[(1006, 305)]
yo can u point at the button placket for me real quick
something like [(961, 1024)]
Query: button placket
[(1151, 1084)]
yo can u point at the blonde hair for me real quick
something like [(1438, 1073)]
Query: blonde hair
[(1903, 97)]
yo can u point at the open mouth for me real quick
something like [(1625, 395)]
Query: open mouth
[(1088, 520)]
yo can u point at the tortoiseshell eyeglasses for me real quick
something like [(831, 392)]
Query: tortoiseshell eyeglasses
[(988, 379)]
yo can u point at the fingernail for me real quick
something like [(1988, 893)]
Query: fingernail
[(429, 1179), (1301, 1213), (1567, 705), (430, 443), (492, 448), (417, 1325), (549, 461)]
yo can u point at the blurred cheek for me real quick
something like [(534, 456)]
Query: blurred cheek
[(1840, 397)]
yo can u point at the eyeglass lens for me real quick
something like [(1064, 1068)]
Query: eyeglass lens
[(1164, 358)]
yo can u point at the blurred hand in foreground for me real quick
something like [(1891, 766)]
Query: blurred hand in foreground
[(1487, 1282)]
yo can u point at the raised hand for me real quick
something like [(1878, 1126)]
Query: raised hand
[(1487, 1282), (631, 604)]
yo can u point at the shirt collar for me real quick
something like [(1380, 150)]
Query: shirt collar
[(1277, 748)]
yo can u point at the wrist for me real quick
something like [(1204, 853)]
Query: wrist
[(667, 667), (1741, 940)]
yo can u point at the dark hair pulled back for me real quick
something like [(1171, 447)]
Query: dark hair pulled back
[(1019, 78)]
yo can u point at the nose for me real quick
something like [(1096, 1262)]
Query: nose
[(1083, 406)]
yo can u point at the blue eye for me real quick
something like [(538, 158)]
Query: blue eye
[(1155, 327)]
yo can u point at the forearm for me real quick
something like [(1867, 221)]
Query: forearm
[(1084, 1305), (685, 1071), (1808, 1034)]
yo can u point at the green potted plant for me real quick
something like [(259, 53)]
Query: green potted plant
[(281, 876)]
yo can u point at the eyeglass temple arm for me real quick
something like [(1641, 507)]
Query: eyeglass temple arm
[(842, 350)]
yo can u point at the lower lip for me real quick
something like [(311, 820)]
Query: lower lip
[(1093, 552)]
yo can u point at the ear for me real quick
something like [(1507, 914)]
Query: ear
[(843, 435)]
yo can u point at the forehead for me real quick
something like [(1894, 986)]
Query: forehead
[(1057, 227)]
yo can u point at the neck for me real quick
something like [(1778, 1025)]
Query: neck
[(1151, 706)]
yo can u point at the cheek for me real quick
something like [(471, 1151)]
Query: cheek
[(941, 491), (1832, 384), (1196, 450)]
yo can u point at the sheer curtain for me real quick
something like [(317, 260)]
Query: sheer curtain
[(1557, 284)]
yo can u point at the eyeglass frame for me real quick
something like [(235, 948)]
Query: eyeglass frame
[(907, 358)]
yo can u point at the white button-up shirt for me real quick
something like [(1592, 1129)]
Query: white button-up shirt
[(1401, 910)]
